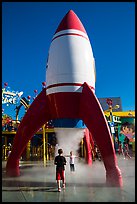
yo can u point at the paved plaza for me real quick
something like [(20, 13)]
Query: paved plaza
[(87, 184)]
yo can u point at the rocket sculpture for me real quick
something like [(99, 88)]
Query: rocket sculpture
[(69, 93)]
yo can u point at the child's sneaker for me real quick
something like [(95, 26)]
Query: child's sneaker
[(63, 186), (59, 189)]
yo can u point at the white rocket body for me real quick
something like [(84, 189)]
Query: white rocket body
[(70, 60)]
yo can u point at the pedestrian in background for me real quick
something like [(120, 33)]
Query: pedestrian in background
[(97, 153), (120, 149), (72, 161), (126, 151)]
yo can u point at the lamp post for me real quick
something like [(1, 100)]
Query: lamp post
[(111, 123), (44, 135), (110, 102), (46, 140), (28, 148)]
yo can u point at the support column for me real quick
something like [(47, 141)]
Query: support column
[(82, 148), (5, 149), (44, 150), (28, 150), (47, 156)]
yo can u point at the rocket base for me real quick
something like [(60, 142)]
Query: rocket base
[(114, 178), (12, 168)]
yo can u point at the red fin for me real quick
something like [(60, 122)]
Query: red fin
[(36, 116), (93, 116)]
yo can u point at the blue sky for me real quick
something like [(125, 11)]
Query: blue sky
[(27, 30)]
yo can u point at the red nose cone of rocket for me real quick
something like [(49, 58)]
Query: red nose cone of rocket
[(70, 21)]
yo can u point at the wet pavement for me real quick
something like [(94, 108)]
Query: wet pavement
[(87, 184)]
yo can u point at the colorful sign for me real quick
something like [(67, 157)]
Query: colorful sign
[(10, 97), (127, 129)]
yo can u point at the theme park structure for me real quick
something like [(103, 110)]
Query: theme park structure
[(69, 94)]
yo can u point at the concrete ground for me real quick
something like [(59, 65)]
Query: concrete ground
[(87, 184)]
